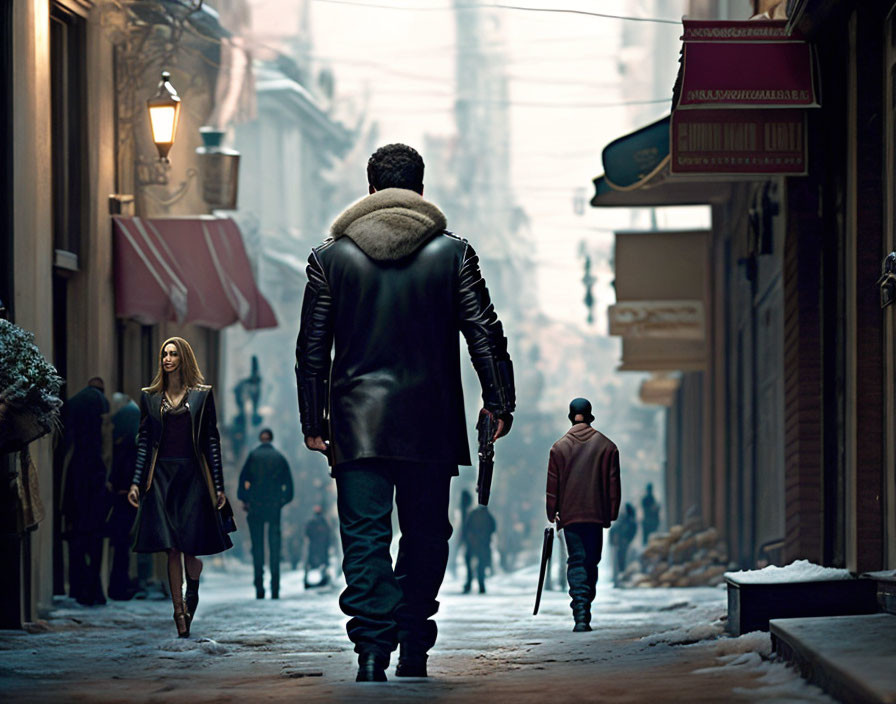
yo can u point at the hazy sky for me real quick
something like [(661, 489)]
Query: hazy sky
[(563, 68)]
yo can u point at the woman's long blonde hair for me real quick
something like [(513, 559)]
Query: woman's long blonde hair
[(189, 368)]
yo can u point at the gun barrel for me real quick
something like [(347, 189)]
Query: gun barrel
[(484, 484)]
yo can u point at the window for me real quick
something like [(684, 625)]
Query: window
[(68, 105)]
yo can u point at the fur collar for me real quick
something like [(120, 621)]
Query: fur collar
[(389, 224)]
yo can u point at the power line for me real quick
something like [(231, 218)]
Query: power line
[(506, 44), (523, 8), (527, 104)]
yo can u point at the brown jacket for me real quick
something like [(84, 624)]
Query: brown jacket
[(583, 478)]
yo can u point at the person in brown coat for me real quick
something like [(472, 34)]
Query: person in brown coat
[(583, 496)]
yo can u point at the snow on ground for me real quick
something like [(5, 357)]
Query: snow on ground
[(490, 648), (796, 571)]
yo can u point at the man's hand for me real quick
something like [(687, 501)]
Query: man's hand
[(316, 443), (221, 500), (134, 496), (504, 424)]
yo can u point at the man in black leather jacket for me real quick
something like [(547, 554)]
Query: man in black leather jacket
[(392, 288)]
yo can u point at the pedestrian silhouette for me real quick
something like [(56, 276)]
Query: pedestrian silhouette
[(125, 426), (85, 498), (478, 528), (650, 519), (621, 536), (317, 530), (265, 487)]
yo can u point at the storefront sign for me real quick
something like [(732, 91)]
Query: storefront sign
[(682, 320), (659, 390), (755, 142), (745, 64)]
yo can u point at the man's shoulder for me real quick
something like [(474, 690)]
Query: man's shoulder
[(600, 437), (323, 246), (561, 443), (455, 237)]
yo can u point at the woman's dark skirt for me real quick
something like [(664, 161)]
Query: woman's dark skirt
[(177, 512)]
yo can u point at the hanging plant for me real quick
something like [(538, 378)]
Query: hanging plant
[(29, 390)]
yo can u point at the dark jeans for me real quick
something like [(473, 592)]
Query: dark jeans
[(256, 533), (119, 576), (584, 542), (85, 555), (387, 605), (621, 558), (482, 560)]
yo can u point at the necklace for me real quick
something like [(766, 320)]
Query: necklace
[(173, 404)]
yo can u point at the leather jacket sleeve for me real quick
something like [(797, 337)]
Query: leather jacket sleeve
[(212, 442), (485, 338), (143, 442), (313, 350)]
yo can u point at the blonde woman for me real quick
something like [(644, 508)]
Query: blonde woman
[(178, 481)]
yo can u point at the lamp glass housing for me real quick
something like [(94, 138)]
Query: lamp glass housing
[(164, 110), (162, 117)]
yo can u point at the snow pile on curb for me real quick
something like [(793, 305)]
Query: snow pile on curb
[(797, 571), (754, 642), (686, 634), (776, 680)]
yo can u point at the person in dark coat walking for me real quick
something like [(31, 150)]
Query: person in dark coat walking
[(621, 536), (178, 481), (650, 519), (392, 289), (265, 488), (317, 530), (583, 495), (125, 426), (85, 498), (476, 533)]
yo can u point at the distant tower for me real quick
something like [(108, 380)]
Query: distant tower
[(483, 203)]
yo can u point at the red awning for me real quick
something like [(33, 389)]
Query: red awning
[(190, 270)]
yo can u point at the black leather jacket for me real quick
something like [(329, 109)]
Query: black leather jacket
[(206, 439), (393, 388)]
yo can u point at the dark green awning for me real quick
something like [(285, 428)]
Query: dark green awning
[(635, 158)]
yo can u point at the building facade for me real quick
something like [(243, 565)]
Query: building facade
[(783, 440), (79, 153)]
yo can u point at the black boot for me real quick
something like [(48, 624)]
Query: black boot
[(371, 668), (191, 598), (582, 615), (411, 663)]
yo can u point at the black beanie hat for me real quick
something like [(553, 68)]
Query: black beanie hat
[(583, 406)]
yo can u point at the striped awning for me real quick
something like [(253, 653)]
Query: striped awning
[(188, 270)]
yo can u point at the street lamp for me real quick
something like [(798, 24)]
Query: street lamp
[(164, 109)]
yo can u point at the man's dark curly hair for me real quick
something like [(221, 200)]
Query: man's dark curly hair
[(396, 166)]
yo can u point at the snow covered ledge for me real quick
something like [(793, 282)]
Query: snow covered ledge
[(801, 589)]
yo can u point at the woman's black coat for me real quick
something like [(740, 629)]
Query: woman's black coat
[(206, 439)]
